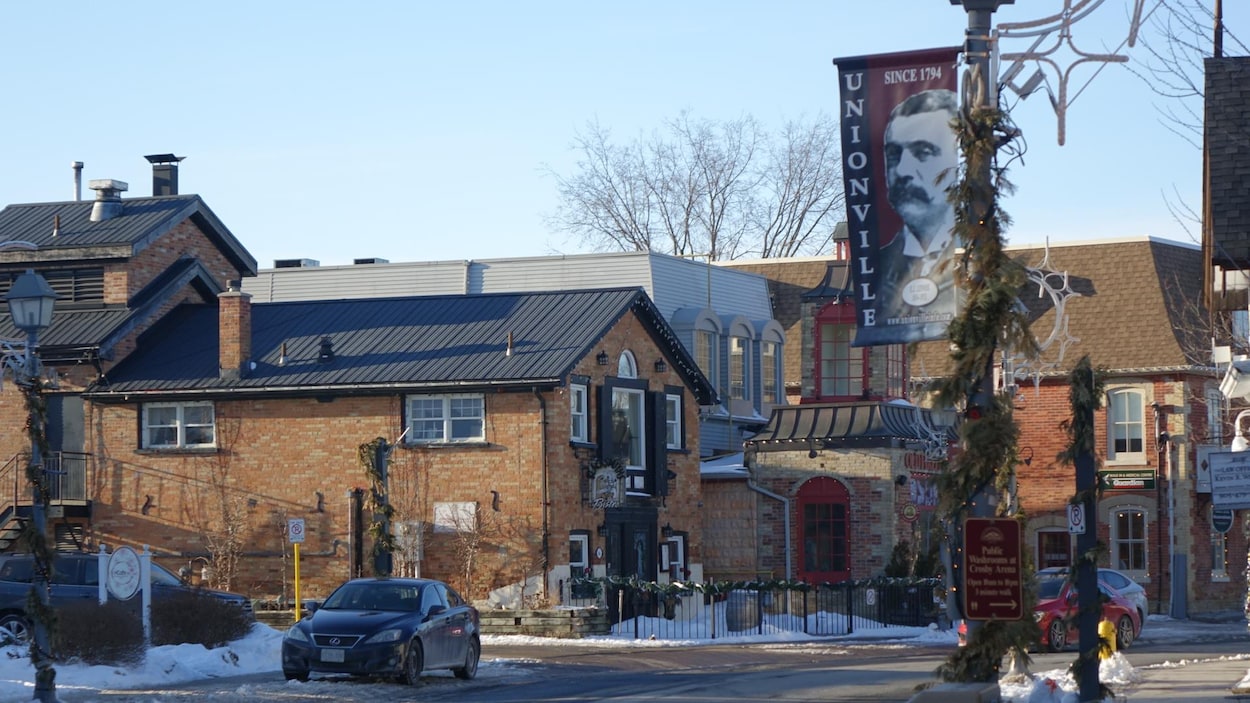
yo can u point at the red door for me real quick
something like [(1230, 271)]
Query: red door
[(824, 529)]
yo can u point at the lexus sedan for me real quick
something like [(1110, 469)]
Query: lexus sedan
[(1122, 583), (385, 627)]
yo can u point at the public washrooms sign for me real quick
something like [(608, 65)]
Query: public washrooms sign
[(993, 577), (1230, 479)]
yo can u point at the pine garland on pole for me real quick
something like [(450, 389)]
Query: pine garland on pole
[(373, 456)]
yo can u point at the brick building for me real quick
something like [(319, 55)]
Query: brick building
[(529, 436), (1138, 314)]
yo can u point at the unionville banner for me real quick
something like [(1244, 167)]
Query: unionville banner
[(900, 155)]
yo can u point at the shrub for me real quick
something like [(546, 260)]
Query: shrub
[(112, 634), (98, 634)]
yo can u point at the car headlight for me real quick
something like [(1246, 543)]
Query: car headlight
[(392, 635), (1037, 617), (297, 634)]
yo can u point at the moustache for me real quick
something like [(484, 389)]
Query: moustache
[(904, 191)]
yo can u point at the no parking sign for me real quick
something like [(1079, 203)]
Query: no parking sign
[(1076, 519), (295, 529)]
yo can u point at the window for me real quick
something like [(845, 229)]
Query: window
[(455, 517), (1128, 539), (841, 366), (178, 425), (1127, 428), (705, 354), (672, 421), (445, 418), (629, 433), (579, 554), (579, 431), (1215, 416), (769, 373), (673, 556), (1054, 548), (738, 361), (626, 367)]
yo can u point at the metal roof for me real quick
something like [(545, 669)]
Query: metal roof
[(837, 425), (141, 221), (383, 344)]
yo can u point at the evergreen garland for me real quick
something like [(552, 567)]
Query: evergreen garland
[(383, 512), (990, 282), (33, 540)]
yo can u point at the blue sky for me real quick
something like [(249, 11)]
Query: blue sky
[(421, 131)]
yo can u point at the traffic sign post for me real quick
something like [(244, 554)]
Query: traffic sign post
[(993, 576), (295, 530)]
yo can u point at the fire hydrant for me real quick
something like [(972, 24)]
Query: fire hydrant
[(1106, 633)]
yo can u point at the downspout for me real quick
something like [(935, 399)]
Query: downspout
[(542, 453), (785, 506)]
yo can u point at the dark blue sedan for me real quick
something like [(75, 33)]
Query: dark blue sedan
[(391, 627)]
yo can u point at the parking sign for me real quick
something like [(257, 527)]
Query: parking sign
[(295, 529)]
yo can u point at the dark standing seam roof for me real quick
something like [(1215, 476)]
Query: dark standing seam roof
[(834, 425), (142, 219), (383, 343)]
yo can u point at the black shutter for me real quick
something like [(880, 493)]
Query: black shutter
[(656, 481), (605, 422)]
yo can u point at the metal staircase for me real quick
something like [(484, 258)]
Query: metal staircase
[(67, 473)]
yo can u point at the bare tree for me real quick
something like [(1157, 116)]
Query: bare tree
[(220, 508), (723, 190)]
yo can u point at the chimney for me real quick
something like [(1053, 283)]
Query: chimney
[(234, 323), (164, 173), (77, 166), (108, 198)]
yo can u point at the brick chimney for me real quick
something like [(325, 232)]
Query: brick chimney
[(235, 331)]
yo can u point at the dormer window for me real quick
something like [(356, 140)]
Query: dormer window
[(626, 367)]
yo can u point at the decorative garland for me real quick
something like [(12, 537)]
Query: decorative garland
[(383, 512), (991, 282), (682, 588), (1085, 392), (35, 542)]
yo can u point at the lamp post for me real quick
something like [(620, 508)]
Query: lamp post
[(30, 301)]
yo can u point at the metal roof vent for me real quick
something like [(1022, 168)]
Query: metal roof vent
[(108, 198), (327, 350)]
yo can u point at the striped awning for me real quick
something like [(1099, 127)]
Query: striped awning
[(837, 425)]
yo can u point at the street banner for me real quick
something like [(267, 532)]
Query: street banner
[(900, 155)]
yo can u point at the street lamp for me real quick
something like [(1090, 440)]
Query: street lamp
[(30, 301)]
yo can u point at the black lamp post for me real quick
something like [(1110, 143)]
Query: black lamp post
[(30, 301)]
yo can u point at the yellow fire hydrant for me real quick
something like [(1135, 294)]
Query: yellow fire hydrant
[(1106, 633)]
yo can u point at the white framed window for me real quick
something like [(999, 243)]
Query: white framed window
[(579, 554), (1128, 539), (579, 430), (672, 421), (673, 557), (769, 372), (739, 359), (179, 426), (626, 367), (446, 418), (629, 434), (1126, 430), (705, 354), (455, 517)]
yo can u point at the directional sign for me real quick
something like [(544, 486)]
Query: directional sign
[(993, 573)]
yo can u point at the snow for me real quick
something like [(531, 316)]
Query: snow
[(259, 652)]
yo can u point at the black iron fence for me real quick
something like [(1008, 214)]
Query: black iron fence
[(647, 610)]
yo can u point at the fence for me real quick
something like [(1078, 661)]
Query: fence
[(711, 611)]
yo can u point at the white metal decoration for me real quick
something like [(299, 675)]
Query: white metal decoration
[(1051, 34), (1057, 286)]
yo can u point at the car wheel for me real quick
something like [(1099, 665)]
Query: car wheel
[(1057, 635), (295, 675), (414, 662), (1124, 633), (469, 670), (14, 629)]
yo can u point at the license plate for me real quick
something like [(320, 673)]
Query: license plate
[(332, 655)]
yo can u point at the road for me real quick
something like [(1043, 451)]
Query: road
[(810, 671)]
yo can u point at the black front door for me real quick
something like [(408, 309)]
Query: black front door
[(630, 551)]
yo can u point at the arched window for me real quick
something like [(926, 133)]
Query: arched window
[(626, 367), (824, 508)]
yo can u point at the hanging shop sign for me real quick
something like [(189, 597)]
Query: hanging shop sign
[(1128, 480)]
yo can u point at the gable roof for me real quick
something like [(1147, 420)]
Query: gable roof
[(142, 221), (1139, 308), (384, 345)]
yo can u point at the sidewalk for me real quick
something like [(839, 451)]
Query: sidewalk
[(1200, 681)]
